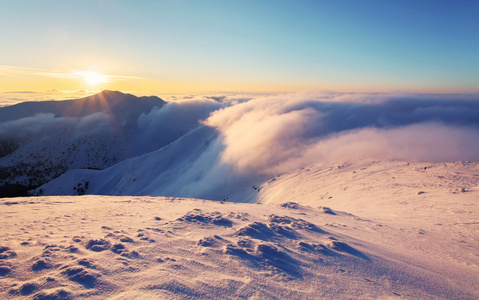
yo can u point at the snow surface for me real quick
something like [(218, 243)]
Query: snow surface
[(347, 230)]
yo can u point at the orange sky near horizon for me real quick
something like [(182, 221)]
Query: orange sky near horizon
[(155, 47), (34, 80)]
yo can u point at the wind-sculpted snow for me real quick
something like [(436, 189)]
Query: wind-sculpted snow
[(135, 247)]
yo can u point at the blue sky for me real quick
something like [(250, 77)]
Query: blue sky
[(180, 45)]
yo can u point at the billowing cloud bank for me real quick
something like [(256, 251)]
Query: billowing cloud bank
[(246, 142), (142, 133), (15, 97), (275, 134), (164, 125), (45, 124)]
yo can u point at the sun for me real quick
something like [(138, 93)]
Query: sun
[(93, 79)]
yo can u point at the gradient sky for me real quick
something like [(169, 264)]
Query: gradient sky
[(242, 45)]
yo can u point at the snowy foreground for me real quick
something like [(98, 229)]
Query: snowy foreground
[(346, 230)]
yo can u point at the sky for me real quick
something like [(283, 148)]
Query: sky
[(168, 46)]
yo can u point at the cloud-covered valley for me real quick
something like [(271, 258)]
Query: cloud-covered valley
[(279, 133), (214, 147)]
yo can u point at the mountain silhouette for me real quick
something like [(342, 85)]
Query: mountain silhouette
[(114, 103)]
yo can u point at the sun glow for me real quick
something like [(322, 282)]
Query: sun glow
[(93, 79)]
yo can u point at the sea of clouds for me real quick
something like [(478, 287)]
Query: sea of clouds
[(263, 136), (275, 133), (278, 133)]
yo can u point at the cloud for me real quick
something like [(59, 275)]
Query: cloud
[(34, 126), (417, 142), (75, 74), (164, 125), (15, 97), (246, 140), (229, 98), (47, 124), (275, 134), (217, 98), (148, 132), (96, 124), (270, 135)]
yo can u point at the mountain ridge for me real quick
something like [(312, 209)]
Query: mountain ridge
[(113, 101), (41, 140)]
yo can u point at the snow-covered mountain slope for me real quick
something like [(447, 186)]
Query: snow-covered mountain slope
[(40, 161), (417, 207), (411, 226), (359, 230), (41, 140), (188, 167)]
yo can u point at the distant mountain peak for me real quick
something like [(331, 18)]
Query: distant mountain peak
[(109, 101), (115, 96), (110, 92)]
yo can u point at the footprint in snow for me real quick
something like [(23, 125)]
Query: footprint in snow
[(196, 216), (81, 276), (4, 270), (98, 245), (7, 253), (26, 289), (40, 265)]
